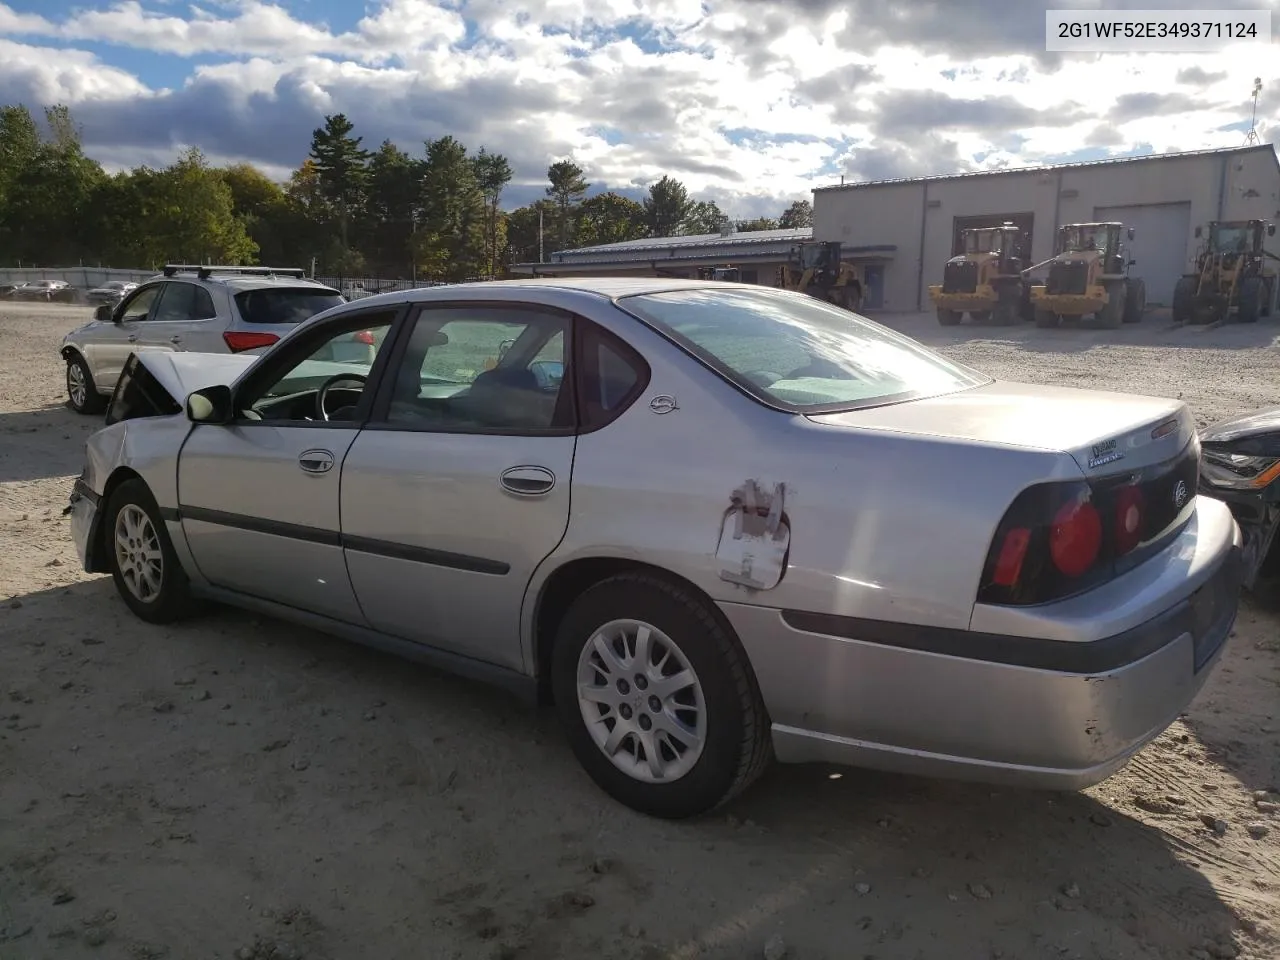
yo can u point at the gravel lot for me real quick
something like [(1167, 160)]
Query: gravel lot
[(237, 787)]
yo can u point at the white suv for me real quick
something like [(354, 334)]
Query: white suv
[(202, 309)]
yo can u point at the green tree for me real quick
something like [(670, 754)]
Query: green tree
[(759, 223), (567, 190), (450, 237), (610, 218), (262, 206), (522, 227), (493, 173), (666, 207), (799, 214), (342, 171), (703, 216), (19, 144), (50, 196), (191, 216), (394, 188)]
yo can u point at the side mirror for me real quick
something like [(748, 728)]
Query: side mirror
[(1131, 233), (1271, 230), (1199, 233), (104, 313), (1132, 262), (210, 405)]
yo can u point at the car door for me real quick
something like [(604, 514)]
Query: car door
[(258, 496), (182, 310), (109, 345), (458, 487)]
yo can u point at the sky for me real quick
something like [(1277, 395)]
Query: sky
[(750, 103)]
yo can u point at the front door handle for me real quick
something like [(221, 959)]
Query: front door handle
[(527, 481), (175, 339), (133, 338), (316, 461)]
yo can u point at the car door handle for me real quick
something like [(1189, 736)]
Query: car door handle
[(133, 338), (315, 461), (527, 481), (175, 339)]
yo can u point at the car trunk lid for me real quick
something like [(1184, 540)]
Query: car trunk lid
[(1105, 433)]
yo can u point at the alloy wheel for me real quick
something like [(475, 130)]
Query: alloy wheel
[(641, 701), (77, 387), (138, 553)]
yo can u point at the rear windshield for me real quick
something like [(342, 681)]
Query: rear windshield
[(796, 352), (285, 305)]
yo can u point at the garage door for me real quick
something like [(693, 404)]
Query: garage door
[(1159, 243)]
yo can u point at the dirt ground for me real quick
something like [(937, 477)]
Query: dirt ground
[(237, 787)]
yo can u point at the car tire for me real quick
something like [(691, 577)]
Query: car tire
[(1135, 304), (140, 555), (730, 725), (948, 318), (1046, 319), (82, 392)]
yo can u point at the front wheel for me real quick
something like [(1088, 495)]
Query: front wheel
[(657, 698), (81, 390), (141, 557), (1135, 304), (948, 318), (1250, 300)]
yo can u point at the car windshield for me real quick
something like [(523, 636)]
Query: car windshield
[(284, 304), (796, 352)]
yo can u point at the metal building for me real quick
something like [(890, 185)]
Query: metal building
[(1164, 197)]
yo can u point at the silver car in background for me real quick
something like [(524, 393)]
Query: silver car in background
[(712, 523), (205, 309)]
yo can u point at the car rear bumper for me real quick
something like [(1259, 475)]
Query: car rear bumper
[(999, 709)]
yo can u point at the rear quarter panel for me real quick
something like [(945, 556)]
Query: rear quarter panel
[(883, 525)]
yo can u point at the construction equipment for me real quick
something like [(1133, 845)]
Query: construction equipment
[(815, 267), (726, 274), (1089, 276), (1232, 272), (987, 279)]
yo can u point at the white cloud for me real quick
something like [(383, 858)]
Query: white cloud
[(749, 101)]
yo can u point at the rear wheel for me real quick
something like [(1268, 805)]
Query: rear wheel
[(1250, 299), (81, 390), (657, 697), (1184, 296), (1135, 303), (1268, 296), (948, 318), (141, 557)]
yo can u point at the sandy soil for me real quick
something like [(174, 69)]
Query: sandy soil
[(241, 788)]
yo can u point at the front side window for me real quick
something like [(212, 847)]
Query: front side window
[(797, 353), (329, 381), (140, 306), (484, 370)]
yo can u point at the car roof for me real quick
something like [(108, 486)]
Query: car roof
[(606, 287), (239, 282)]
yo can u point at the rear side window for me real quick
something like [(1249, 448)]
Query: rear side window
[(203, 305), (284, 305), (612, 375)]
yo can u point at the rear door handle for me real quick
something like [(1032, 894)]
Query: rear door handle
[(315, 461), (527, 481)]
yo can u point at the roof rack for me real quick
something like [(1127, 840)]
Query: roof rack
[(204, 271)]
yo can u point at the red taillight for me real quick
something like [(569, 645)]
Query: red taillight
[(1129, 516), (365, 337), (1075, 538), (239, 341), (1012, 552)]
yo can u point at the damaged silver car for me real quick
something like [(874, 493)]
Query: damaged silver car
[(712, 523)]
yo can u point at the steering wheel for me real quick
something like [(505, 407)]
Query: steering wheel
[(323, 393)]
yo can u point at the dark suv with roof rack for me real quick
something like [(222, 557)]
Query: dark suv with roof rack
[(194, 308)]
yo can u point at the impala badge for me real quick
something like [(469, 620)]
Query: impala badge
[(663, 404), (1180, 495)]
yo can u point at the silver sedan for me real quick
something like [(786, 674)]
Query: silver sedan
[(712, 523)]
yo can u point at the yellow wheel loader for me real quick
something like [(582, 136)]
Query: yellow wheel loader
[(1233, 272), (815, 267), (1089, 277), (986, 280)]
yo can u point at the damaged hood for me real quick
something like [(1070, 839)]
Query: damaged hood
[(183, 373), (1102, 431), (1250, 426)]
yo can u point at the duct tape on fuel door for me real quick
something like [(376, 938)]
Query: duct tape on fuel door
[(755, 537)]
